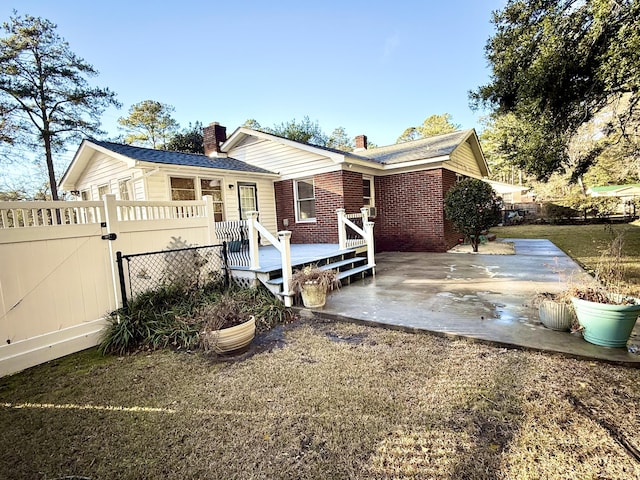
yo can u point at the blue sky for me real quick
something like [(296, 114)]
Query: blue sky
[(372, 67)]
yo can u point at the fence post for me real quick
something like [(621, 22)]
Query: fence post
[(342, 231), (285, 254), (123, 286), (211, 220), (225, 259), (254, 254), (112, 227)]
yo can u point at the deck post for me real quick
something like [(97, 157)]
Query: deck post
[(254, 253), (285, 254), (371, 259), (342, 230)]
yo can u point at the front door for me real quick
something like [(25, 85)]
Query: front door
[(247, 199)]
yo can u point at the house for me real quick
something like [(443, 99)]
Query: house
[(511, 194), (624, 192), (295, 186)]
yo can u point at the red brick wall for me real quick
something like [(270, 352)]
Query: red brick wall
[(410, 209), (333, 190), (411, 212)]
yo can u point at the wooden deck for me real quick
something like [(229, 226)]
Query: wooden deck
[(300, 254)]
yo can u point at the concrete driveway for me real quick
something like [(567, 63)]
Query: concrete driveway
[(477, 296)]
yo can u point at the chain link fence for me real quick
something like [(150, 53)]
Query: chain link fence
[(187, 268)]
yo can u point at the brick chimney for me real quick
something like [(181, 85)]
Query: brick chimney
[(361, 142), (214, 135)]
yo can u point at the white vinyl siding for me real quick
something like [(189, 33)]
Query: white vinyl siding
[(464, 161), (289, 162)]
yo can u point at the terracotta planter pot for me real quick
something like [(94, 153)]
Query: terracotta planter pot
[(556, 315), (604, 324), (234, 338), (314, 295)]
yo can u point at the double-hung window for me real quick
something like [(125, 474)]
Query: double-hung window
[(213, 187), (183, 188), (305, 200)]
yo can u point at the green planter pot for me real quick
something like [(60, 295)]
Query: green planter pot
[(604, 324)]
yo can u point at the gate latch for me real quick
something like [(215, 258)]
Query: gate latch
[(109, 236)]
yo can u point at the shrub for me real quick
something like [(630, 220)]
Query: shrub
[(473, 206), (173, 317)]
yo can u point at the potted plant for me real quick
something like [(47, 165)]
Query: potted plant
[(555, 311), (226, 326), (313, 282), (607, 310)]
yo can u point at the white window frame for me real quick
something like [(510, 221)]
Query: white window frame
[(372, 191), (221, 202), (108, 190), (297, 200), (127, 183), (196, 185)]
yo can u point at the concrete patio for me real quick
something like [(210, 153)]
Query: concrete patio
[(477, 296)]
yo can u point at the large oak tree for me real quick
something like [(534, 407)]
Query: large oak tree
[(556, 65)]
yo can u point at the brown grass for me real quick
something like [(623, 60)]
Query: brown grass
[(323, 400)]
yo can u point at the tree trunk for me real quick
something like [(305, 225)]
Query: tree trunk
[(52, 174)]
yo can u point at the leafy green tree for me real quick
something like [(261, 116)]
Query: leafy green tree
[(252, 124), (432, 125), (340, 140), (556, 64), (45, 97), (149, 123), (304, 131), (190, 140), (473, 207)]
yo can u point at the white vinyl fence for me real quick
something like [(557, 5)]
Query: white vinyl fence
[(58, 273)]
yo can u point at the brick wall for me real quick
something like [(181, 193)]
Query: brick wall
[(411, 212), (410, 209), (333, 190)]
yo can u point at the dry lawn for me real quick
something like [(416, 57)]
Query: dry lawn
[(323, 400)]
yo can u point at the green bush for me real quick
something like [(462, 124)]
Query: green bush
[(556, 213), (473, 206), (169, 317)]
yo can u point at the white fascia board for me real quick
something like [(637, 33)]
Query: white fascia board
[(416, 163), (81, 160)]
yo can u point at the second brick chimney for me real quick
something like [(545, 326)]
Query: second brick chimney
[(361, 142), (214, 135)]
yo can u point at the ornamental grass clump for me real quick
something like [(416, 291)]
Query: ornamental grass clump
[(611, 286), (313, 274)]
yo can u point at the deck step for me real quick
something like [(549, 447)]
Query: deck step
[(329, 266), (353, 271)]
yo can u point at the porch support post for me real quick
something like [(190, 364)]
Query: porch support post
[(365, 215), (285, 253), (254, 254), (371, 259), (342, 231)]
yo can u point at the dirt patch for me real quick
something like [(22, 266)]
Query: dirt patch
[(489, 248)]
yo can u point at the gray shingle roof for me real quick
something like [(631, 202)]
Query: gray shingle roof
[(422, 149), (167, 157)]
